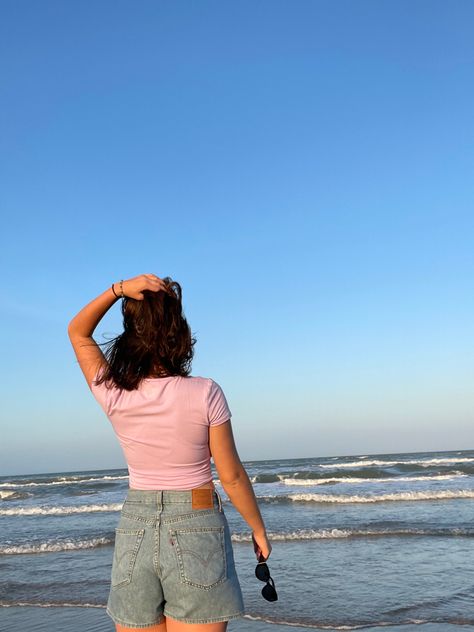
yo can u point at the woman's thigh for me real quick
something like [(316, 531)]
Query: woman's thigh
[(178, 626), (157, 627), (170, 625)]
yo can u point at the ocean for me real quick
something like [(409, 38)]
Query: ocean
[(360, 541)]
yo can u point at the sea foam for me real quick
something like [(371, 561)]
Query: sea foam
[(53, 546), (325, 534), (423, 462), (59, 511), (62, 481), (376, 498), (355, 479)]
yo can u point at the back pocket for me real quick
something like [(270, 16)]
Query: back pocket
[(200, 553), (127, 544)]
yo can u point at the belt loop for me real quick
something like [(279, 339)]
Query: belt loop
[(219, 499)]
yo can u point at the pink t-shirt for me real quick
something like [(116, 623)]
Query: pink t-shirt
[(163, 428)]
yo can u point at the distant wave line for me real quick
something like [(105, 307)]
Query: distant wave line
[(424, 462), (66, 481)]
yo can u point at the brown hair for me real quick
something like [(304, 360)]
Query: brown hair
[(156, 341)]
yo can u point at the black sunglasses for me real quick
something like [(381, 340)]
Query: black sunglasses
[(262, 573)]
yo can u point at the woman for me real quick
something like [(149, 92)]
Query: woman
[(173, 567)]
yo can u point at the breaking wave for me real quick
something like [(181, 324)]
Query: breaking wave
[(12, 495), (423, 462), (71, 480), (329, 534), (53, 546), (376, 498), (355, 479), (59, 511)]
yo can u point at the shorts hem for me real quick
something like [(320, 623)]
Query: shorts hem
[(227, 617), (127, 624)]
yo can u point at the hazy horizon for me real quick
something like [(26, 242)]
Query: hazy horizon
[(302, 458)]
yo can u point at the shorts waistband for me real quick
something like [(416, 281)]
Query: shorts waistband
[(167, 496)]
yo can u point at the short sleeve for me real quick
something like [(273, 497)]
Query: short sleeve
[(217, 408), (101, 394)]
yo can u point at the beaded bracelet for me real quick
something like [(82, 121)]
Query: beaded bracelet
[(121, 289)]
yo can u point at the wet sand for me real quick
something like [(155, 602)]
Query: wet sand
[(51, 619)]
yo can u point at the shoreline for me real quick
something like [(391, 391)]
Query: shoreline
[(94, 619)]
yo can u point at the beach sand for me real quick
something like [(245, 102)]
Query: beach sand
[(52, 619)]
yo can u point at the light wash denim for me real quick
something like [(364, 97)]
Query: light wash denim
[(174, 560)]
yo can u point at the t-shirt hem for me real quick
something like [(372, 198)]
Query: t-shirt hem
[(181, 487), (220, 421)]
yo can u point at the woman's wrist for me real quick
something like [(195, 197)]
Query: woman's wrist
[(260, 532), (117, 289)]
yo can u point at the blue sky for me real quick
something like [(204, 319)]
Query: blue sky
[(303, 169)]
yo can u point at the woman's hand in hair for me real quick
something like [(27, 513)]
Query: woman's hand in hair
[(133, 288)]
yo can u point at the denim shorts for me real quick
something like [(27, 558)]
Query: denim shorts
[(173, 558)]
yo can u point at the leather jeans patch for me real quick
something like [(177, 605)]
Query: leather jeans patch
[(202, 498)]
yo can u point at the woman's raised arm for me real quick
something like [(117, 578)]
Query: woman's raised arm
[(82, 326)]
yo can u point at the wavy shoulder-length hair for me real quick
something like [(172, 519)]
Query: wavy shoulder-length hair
[(156, 341)]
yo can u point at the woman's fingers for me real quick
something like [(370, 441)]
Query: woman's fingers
[(153, 278), (134, 287), (154, 283)]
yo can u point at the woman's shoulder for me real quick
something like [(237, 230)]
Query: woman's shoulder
[(200, 380), (207, 384), (217, 408)]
